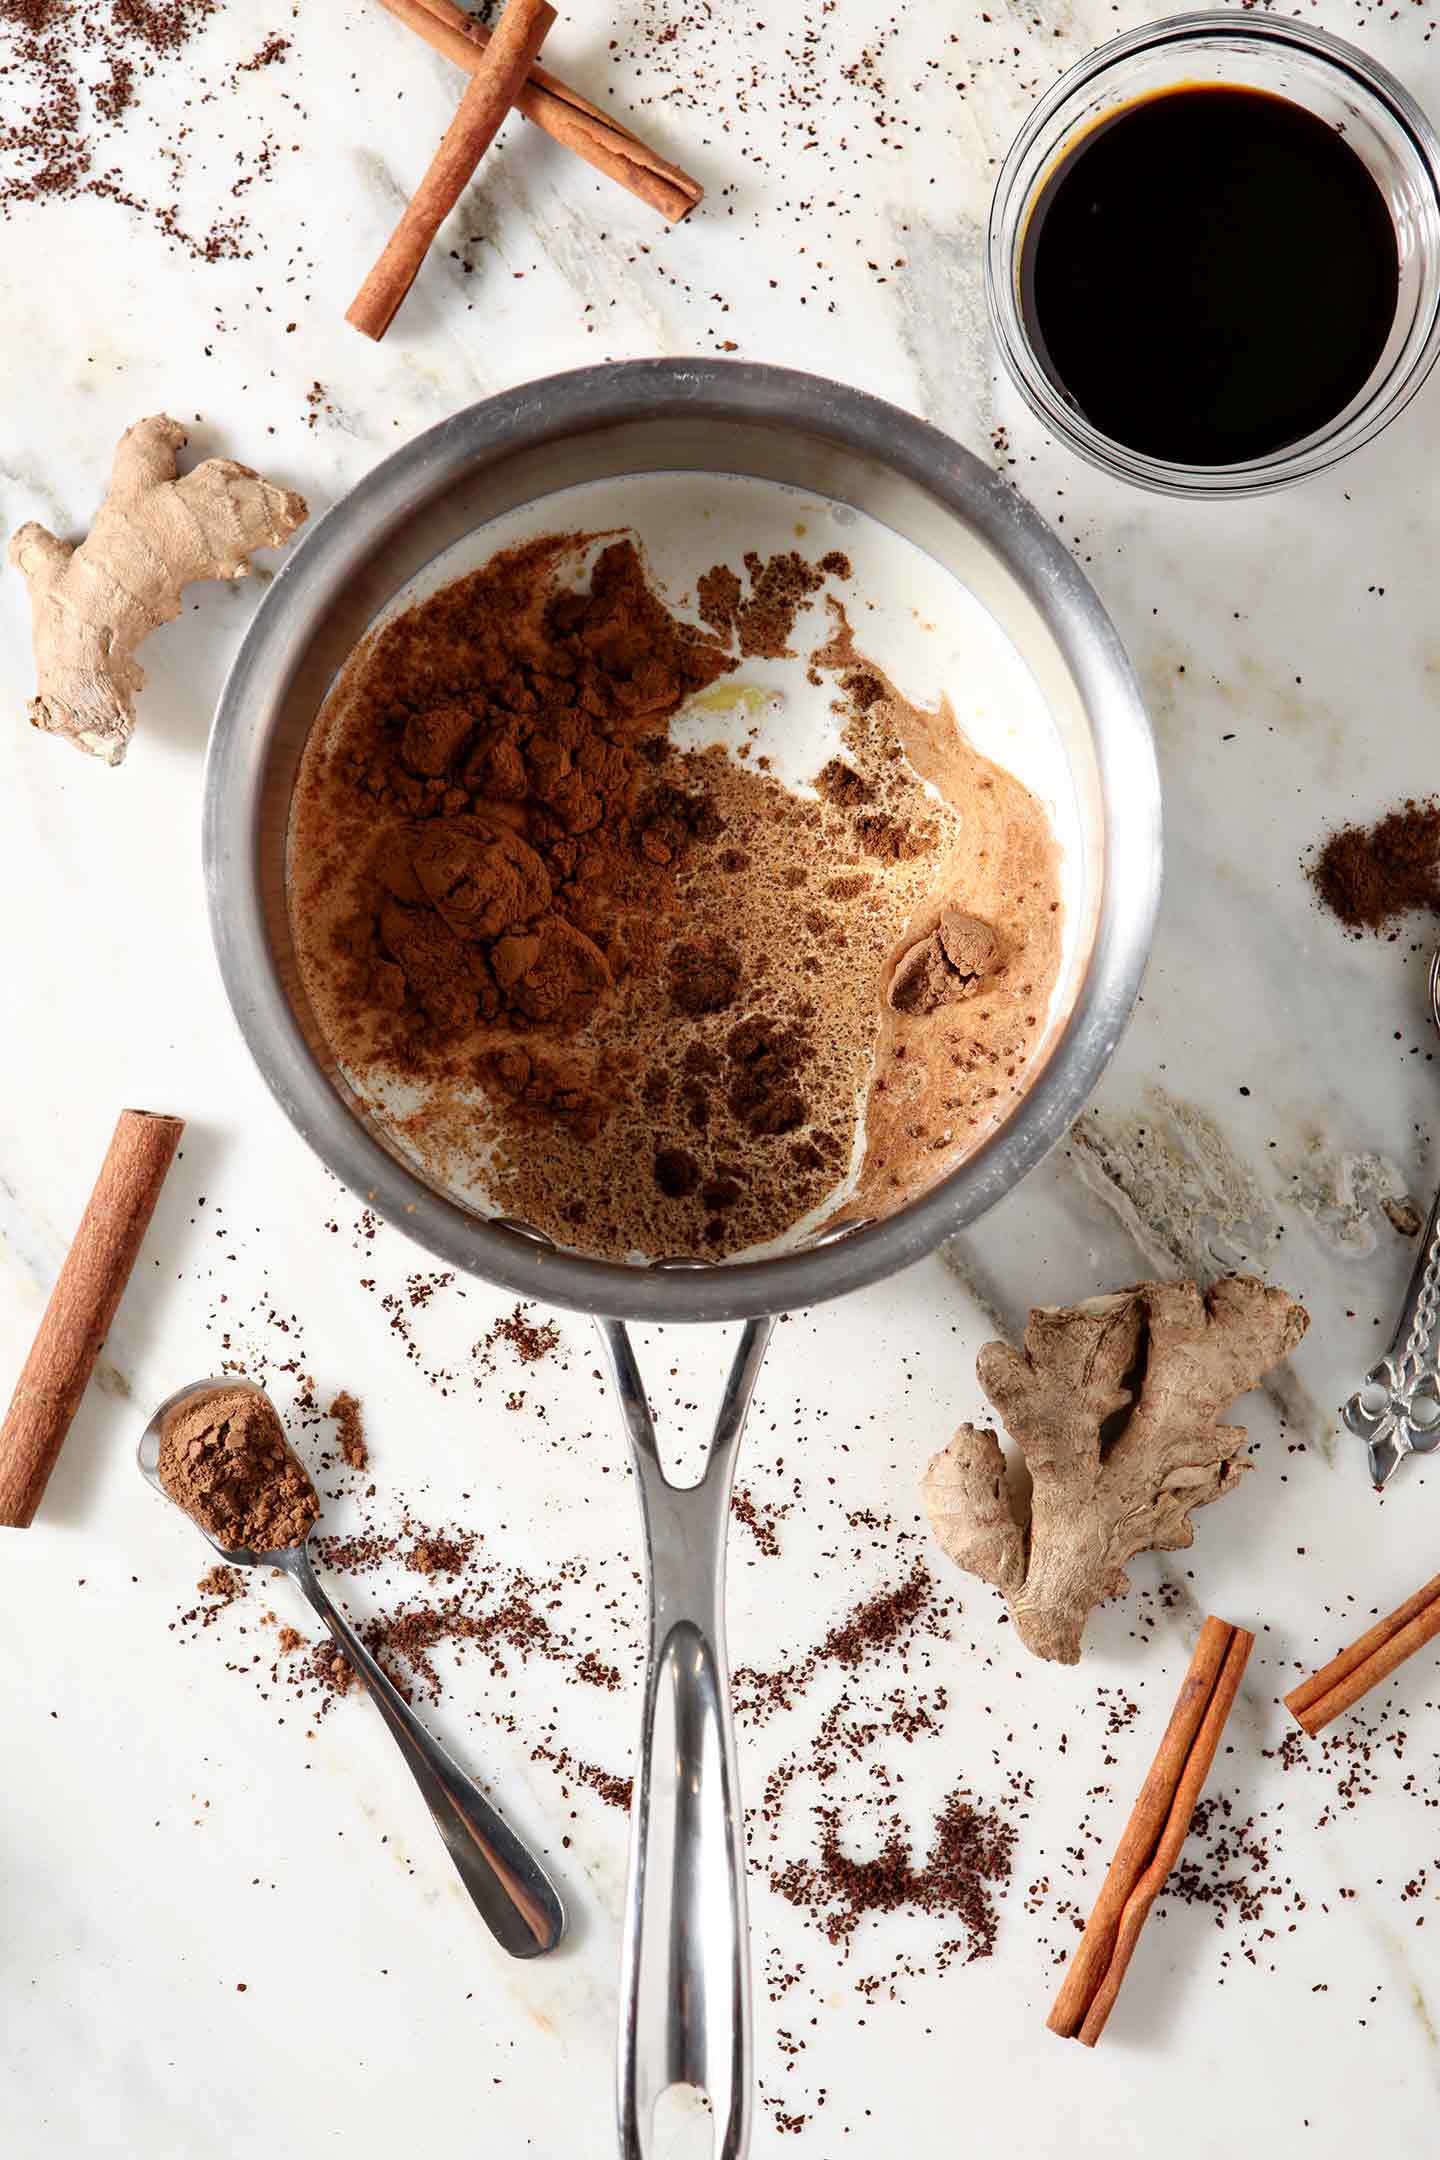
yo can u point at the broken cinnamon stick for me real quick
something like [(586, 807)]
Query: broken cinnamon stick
[(560, 111), (1368, 1661), (1152, 1838), (82, 1305), (489, 95)]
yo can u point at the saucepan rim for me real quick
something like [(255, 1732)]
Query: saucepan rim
[(614, 394)]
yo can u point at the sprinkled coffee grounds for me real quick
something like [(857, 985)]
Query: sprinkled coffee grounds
[(759, 1518), (1227, 1864), (615, 1791), (1370, 876), (878, 1624), (504, 1614), (289, 1640), (224, 1458), (531, 1340), (351, 1430), (580, 946), (94, 90), (595, 1672), (967, 1867)]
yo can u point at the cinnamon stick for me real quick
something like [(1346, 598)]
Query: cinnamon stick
[(1151, 1841), (489, 95), (560, 111), (82, 1305), (1368, 1661)]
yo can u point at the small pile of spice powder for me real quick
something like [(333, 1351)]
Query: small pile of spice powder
[(1370, 876), (350, 1430), (224, 1458)]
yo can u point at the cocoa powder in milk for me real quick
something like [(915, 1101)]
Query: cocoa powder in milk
[(643, 988)]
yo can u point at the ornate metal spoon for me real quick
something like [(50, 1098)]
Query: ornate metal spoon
[(508, 1887), (1396, 1409)]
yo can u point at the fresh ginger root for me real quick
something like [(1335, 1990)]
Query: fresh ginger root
[(155, 534), (1152, 1367)]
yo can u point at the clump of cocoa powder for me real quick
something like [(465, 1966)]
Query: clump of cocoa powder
[(350, 1429), (224, 1458), (949, 964), (762, 622), (500, 821), (1370, 876)]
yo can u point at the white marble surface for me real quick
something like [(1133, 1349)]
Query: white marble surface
[(166, 1832)]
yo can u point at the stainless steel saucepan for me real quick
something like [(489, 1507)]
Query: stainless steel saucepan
[(685, 2015)]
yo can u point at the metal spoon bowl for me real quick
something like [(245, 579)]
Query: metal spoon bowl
[(508, 1887)]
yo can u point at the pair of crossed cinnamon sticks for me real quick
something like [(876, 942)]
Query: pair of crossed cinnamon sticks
[(503, 70)]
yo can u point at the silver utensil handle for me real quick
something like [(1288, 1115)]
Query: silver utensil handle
[(685, 1969), (507, 1885), (1396, 1409)]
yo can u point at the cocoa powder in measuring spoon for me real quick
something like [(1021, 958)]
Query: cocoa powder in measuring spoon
[(224, 1458)]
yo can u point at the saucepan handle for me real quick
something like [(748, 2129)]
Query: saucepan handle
[(685, 1972)]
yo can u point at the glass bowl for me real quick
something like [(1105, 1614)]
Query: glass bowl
[(1380, 121)]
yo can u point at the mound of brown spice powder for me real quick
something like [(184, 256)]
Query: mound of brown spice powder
[(350, 1429), (1370, 876), (224, 1458)]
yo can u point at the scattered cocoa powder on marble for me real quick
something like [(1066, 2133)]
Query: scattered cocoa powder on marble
[(440, 1555), (1371, 876), (1227, 1864), (274, 48), (330, 1672)]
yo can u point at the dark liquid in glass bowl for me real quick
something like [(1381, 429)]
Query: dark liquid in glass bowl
[(1210, 275)]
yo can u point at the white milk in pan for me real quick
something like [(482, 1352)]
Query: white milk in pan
[(921, 630)]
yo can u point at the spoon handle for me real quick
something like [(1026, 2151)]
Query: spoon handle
[(508, 1887)]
